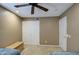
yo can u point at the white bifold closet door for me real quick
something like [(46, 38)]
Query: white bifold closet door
[(30, 32)]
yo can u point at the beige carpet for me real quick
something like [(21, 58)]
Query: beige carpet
[(40, 49)]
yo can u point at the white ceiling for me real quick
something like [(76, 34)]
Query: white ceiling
[(54, 9)]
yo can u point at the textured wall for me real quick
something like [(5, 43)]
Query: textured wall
[(10, 28), (73, 27), (49, 31)]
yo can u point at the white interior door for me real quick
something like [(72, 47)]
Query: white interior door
[(63, 33), (30, 31)]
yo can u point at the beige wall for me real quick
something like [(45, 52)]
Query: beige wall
[(49, 31), (10, 28), (73, 27)]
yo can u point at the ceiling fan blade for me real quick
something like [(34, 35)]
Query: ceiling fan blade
[(43, 8), (32, 10), (21, 5)]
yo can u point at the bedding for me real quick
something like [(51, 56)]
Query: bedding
[(64, 53), (8, 51)]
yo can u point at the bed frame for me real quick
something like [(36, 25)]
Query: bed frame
[(17, 45)]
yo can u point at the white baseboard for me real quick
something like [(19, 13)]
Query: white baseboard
[(42, 45)]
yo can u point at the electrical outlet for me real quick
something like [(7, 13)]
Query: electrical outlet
[(46, 41)]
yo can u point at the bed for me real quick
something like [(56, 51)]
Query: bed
[(8, 51), (64, 53)]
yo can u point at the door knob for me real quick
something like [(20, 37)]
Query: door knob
[(67, 36)]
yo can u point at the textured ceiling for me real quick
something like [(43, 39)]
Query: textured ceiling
[(54, 9)]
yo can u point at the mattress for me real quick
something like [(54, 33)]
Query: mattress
[(8, 51), (64, 53)]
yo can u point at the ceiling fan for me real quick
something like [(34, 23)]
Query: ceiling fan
[(33, 7)]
